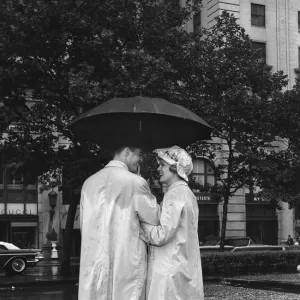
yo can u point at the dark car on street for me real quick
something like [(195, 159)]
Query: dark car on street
[(15, 260)]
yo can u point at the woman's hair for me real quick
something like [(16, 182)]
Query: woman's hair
[(173, 169)]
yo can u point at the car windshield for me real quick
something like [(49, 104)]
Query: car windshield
[(237, 242)]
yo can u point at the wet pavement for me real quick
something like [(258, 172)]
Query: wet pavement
[(41, 282), (53, 292), (42, 274)]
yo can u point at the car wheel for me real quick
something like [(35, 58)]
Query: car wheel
[(16, 266)]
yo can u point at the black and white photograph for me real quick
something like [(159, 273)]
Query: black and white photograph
[(149, 150)]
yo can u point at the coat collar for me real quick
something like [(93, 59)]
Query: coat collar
[(117, 163), (177, 183)]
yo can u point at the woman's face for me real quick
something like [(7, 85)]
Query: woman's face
[(166, 176)]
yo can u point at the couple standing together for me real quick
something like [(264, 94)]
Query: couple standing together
[(119, 217)]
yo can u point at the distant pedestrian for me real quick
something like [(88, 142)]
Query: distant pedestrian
[(297, 237), (290, 240)]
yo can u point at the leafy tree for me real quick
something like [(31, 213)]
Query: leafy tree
[(73, 55), (281, 174), (232, 89)]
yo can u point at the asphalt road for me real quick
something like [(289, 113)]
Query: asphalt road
[(46, 270), (213, 291), (42, 269), (68, 292)]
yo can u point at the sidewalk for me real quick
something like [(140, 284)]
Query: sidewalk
[(290, 281), (259, 283)]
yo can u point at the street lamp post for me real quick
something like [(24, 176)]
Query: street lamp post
[(51, 235)]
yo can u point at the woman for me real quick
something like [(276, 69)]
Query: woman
[(174, 264)]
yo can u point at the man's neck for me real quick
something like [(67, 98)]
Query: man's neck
[(120, 159)]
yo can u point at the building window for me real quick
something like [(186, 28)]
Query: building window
[(299, 21), (258, 15), (297, 70), (197, 22), (11, 178), (262, 48), (14, 179), (203, 172)]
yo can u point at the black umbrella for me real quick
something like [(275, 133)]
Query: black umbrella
[(140, 121)]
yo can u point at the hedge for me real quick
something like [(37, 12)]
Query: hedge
[(238, 263)]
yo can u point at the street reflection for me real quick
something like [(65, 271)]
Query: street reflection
[(59, 292)]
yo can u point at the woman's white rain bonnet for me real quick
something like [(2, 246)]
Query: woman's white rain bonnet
[(179, 157)]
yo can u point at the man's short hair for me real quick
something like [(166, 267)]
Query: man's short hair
[(119, 149)]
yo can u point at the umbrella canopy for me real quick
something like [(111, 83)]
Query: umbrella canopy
[(142, 122)]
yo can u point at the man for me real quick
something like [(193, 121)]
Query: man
[(114, 201)]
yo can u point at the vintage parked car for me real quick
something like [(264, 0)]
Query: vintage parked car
[(236, 244), (15, 260)]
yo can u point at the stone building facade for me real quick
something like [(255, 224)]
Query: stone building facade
[(274, 27)]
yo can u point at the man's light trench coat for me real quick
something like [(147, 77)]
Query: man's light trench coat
[(113, 262), (174, 264)]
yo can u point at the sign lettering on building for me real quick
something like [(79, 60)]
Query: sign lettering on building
[(16, 212), (18, 209), (255, 198), (203, 198), (206, 197)]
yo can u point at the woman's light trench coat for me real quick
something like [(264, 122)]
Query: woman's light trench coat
[(113, 260), (174, 264)]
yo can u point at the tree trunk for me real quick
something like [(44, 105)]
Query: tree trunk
[(65, 269), (224, 222), (226, 195)]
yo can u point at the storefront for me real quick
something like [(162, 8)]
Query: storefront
[(208, 223), (19, 220), (261, 221), (19, 224)]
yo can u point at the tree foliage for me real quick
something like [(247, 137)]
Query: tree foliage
[(71, 56)]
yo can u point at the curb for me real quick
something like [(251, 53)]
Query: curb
[(40, 282), (212, 279), (264, 283)]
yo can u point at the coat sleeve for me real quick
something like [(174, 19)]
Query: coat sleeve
[(169, 223), (145, 203), (81, 208)]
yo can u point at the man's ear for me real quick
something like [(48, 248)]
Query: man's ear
[(127, 152)]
